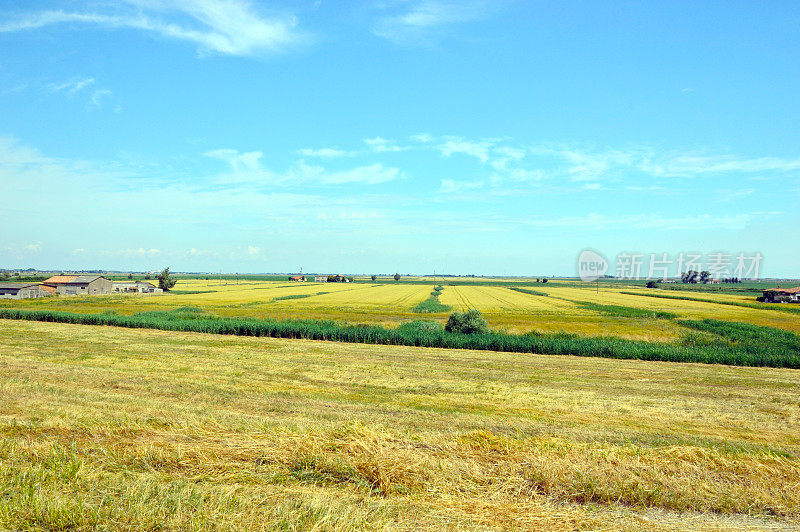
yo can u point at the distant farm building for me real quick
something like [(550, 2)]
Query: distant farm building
[(320, 278), (136, 287), (22, 291), (79, 285), (297, 278), (782, 295)]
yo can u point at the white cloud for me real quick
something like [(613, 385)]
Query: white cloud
[(239, 162), (34, 247), (72, 87), (247, 168), (690, 165), (478, 149), (381, 145), (233, 27), (422, 137), (98, 95), (417, 23), (253, 250), (368, 175)]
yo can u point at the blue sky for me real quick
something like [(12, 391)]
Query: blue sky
[(396, 135)]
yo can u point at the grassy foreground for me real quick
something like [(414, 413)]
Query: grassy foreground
[(110, 428)]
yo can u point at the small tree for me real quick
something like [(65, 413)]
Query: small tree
[(705, 276), (544, 280), (165, 282), (396, 276), (374, 277), (652, 284), (469, 322), (130, 276)]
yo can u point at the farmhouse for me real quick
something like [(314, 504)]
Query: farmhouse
[(22, 291), (72, 285), (136, 287), (782, 295), (320, 278), (297, 278)]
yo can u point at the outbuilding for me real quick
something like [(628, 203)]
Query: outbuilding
[(782, 295), (79, 285), (140, 287), (22, 291)]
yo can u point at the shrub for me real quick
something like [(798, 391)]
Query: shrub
[(652, 284), (469, 322)]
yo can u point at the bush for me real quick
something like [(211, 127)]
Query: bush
[(469, 322), (652, 284)]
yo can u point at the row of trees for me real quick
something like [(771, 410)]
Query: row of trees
[(694, 277)]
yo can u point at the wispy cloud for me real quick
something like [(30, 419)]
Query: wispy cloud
[(98, 95), (478, 149), (418, 22), (72, 87), (381, 145), (248, 168), (233, 27)]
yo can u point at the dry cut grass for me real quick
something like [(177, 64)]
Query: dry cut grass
[(106, 428)]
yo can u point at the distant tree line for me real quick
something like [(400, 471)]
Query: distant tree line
[(704, 277)]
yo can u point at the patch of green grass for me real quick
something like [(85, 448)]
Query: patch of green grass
[(528, 291), (292, 296), (432, 304), (626, 312)]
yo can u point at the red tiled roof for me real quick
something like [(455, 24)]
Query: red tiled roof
[(60, 279), (51, 289)]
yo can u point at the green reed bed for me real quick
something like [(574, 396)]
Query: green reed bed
[(709, 341)]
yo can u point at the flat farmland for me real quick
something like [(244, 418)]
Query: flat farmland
[(130, 429), (563, 309)]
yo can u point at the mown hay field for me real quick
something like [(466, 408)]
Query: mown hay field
[(127, 429)]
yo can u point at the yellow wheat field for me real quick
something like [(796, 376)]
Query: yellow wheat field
[(393, 303)]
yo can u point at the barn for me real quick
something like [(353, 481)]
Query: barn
[(79, 285), (22, 291)]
